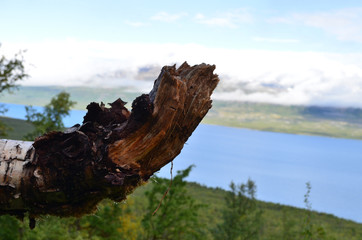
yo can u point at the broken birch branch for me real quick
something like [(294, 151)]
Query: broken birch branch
[(111, 153)]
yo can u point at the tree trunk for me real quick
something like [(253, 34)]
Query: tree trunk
[(111, 153)]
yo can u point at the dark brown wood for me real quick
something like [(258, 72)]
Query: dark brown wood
[(114, 150)]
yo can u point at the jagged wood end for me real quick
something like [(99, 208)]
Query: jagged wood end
[(181, 98), (111, 153)]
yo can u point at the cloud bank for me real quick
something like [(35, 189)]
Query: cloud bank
[(246, 75)]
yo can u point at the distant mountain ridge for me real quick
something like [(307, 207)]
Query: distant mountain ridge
[(311, 120)]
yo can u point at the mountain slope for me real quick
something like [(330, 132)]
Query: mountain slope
[(19, 128)]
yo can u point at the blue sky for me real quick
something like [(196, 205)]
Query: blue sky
[(277, 25), (288, 44)]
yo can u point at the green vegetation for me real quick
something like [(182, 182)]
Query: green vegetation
[(172, 216), (188, 210), (52, 117), (11, 71), (123, 220), (17, 128), (241, 217), (191, 211), (310, 230)]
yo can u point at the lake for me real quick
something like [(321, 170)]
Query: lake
[(279, 163)]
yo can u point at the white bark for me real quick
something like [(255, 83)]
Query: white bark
[(14, 156)]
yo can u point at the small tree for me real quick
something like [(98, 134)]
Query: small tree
[(177, 218), (111, 221), (11, 71), (52, 117), (241, 216), (310, 231)]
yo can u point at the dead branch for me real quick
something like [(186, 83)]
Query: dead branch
[(111, 153)]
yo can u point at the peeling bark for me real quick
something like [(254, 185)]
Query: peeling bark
[(111, 153)]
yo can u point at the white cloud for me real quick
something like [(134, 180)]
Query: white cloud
[(248, 75), (230, 19), (345, 24), (168, 17)]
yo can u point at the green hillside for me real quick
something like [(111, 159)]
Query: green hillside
[(19, 128), (275, 216), (126, 219)]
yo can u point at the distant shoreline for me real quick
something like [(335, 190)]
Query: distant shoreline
[(305, 120)]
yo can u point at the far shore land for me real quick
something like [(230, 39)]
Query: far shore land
[(308, 120)]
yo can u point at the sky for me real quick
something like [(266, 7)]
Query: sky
[(286, 52)]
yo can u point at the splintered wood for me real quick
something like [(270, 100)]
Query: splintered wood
[(111, 153)]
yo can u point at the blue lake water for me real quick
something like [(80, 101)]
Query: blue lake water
[(280, 164), (18, 111)]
